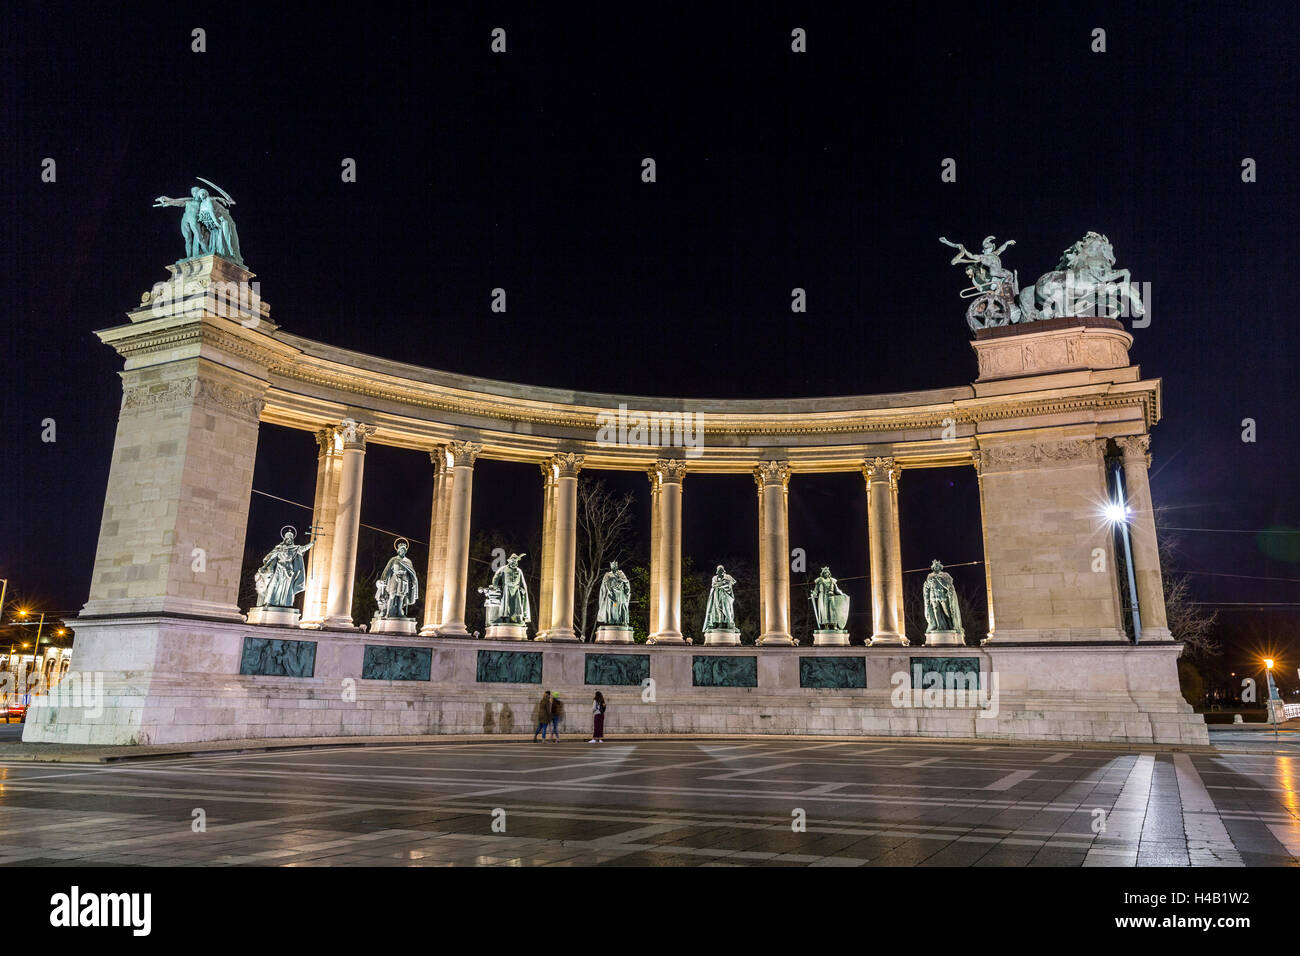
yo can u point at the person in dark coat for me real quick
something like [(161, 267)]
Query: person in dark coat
[(598, 719), (543, 716), (557, 715)]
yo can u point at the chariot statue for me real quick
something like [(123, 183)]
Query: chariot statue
[(1084, 283)]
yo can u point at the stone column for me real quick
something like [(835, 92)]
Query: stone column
[(652, 598), (1142, 537), (762, 555), (343, 559), (774, 571), (566, 467), (438, 513), (988, 565), (546, 578), (329, 463), (456, 567), (671, 473), (882, 529)]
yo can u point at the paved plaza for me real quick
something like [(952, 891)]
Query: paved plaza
[(661, 802)]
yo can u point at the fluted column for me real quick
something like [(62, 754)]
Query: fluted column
[(566, 467), (456, 568), (652, 598), (988, 564), (882, 530), (1142, 536), (343, 557), (671, 473), (774, 572), (442, 480), (547, 576), (329, 462)]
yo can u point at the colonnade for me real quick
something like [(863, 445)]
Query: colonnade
[(337, 514)]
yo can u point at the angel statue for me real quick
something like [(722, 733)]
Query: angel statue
[(206, 224)]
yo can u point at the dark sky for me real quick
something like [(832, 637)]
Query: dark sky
[(775, 170)]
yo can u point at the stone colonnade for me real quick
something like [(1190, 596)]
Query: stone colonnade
[(340, 470)]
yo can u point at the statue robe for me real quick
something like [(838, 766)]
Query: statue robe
[(515, 608), (398, 587), (721, 609), (615, 592), (283, 575)]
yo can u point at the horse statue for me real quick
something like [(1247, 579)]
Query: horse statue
[(1084, 283)]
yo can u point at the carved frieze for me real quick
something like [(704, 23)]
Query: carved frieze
[(1014, 454)]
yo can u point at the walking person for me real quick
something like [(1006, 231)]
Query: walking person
[(543, 716), (598, 719), (557, 715)]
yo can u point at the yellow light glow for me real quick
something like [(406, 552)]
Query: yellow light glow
[(1268, 662)]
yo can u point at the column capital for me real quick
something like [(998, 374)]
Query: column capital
[(880, 469), (439, 457), (464, 453), (772, 472), (328, 439), (655, 479), (354, 433), (567, 464), (671, 470), (1135, 447)]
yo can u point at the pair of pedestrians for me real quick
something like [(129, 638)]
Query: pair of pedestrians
[(550, 711)]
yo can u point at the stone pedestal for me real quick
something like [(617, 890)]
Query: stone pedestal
[(944, 639), (614, 634), (277, 616), (506, 632), (722, 636), (890, 640), (392, 625), (830, 638), (1276, 712)]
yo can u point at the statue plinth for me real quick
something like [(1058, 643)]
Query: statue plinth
[(1049, 346), (944, 639), (890, 640), (830, 637), (392, 625), (506, 632), (614, 634), (722, 636), (276, 616)]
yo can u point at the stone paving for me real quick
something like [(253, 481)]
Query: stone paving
[(663, 802)]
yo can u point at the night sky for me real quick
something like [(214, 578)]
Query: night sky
[(775, 170)]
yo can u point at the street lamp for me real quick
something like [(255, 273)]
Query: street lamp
[(1117, 513), (1273, 695)]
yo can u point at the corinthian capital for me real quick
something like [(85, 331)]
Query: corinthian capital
[(329, 440), (355, 433), (880, 469), (464, 453), (567, 464), (671, 470), (772, 473), (1135, 447)]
